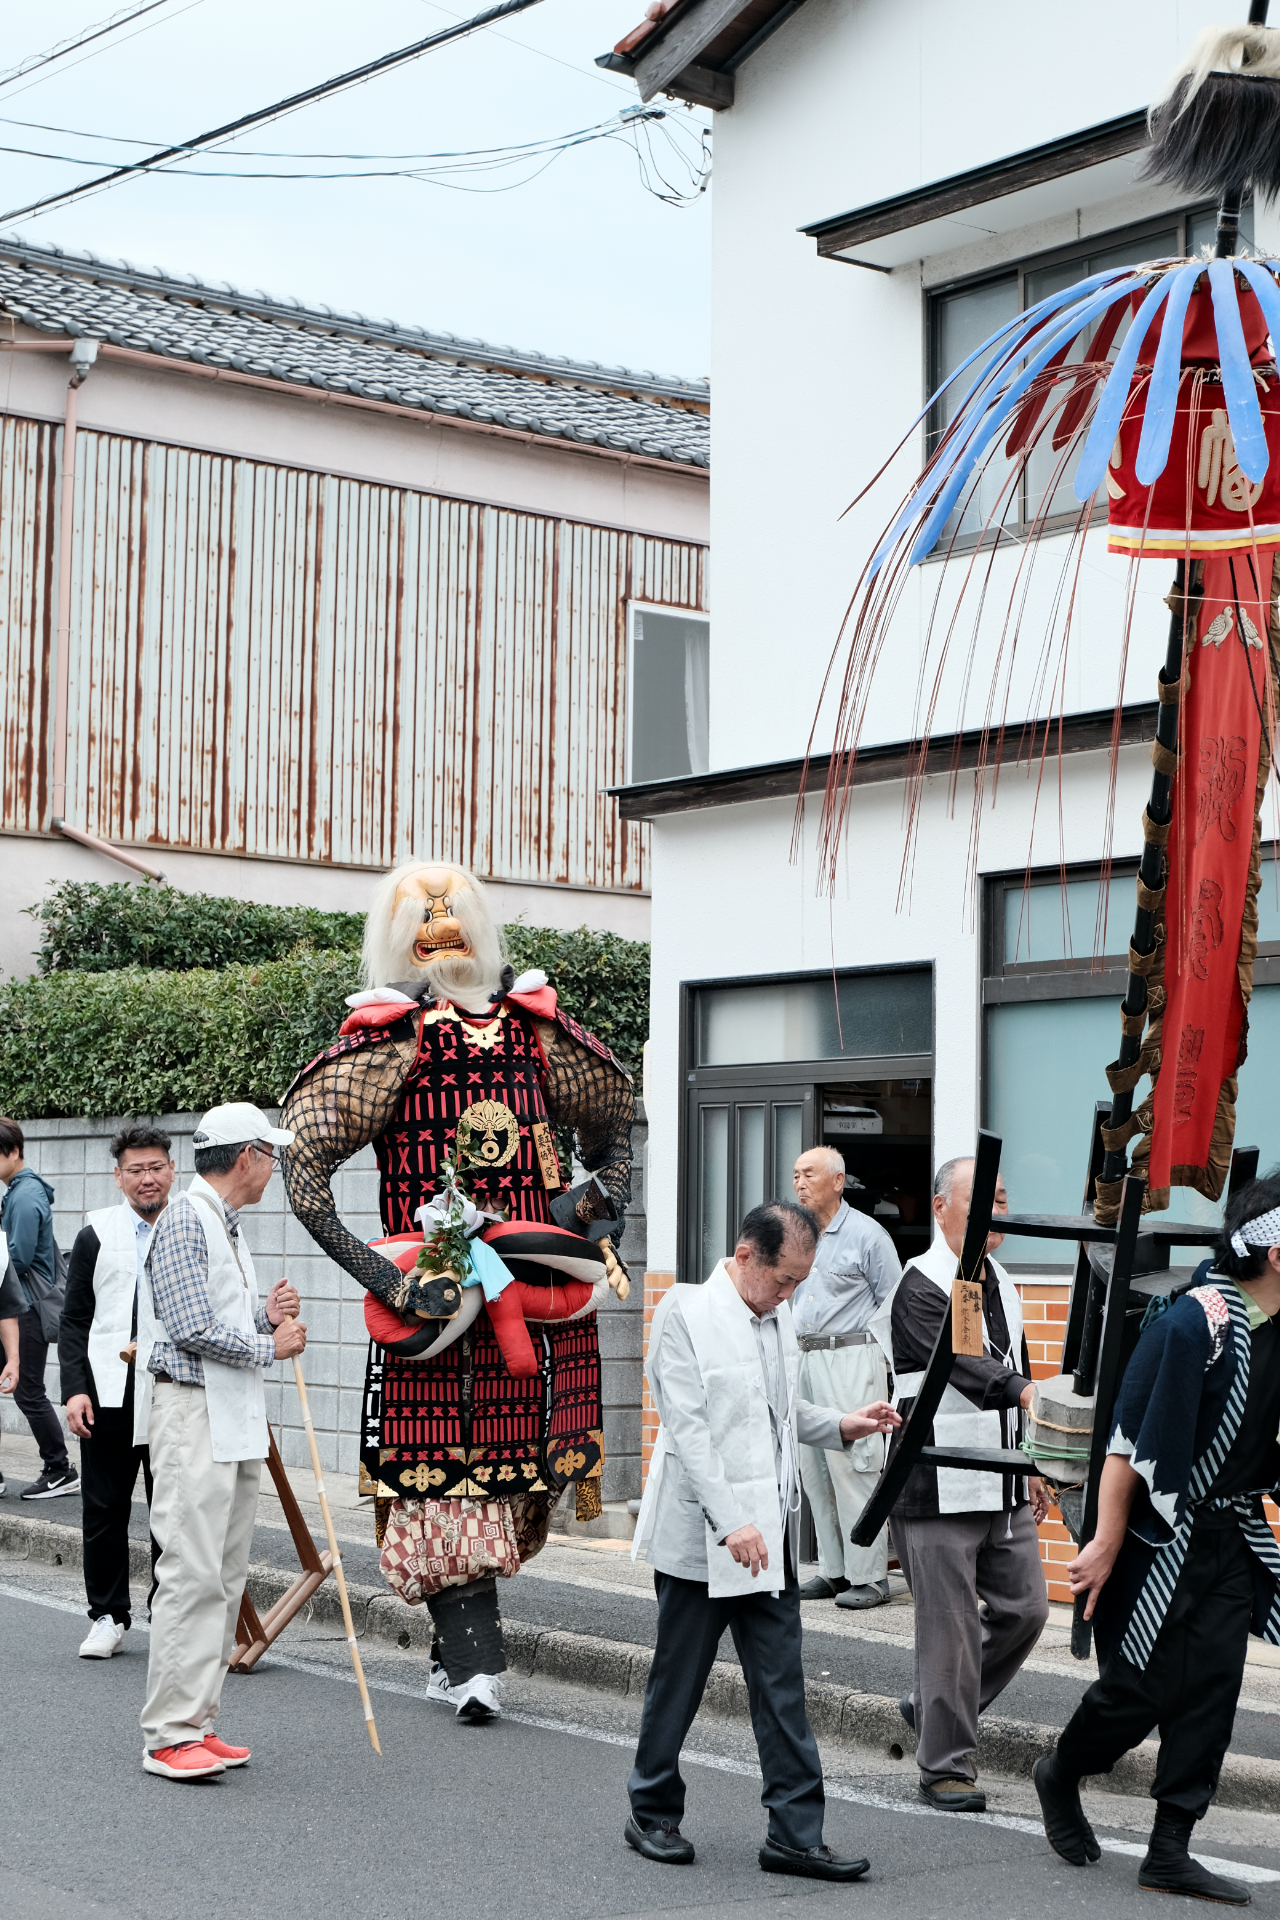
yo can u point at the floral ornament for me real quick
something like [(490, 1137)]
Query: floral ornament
[(450, 1220)]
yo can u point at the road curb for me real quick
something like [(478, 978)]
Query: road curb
[(864, 1721)]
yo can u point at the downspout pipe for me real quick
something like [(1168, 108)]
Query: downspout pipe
[(83, 354)]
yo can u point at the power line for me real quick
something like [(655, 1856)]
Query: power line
[(338, 84), (64, 47)]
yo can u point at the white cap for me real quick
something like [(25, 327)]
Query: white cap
[(228, 1126)]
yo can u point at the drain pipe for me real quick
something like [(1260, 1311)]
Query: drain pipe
[(83, 354)]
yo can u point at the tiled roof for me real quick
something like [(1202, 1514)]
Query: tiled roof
[(61, 291)]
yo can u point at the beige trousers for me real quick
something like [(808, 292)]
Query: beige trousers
[(839, 1484), (202, 1514)]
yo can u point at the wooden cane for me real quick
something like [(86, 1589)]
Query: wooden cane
[(334, 1554)]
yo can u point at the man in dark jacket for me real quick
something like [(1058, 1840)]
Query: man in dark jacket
[(967, 1542), (99, 1323), (26, 1220)]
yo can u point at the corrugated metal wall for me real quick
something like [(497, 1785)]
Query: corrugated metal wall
[(274, 662)]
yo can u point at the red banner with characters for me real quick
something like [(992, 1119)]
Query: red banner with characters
[(1209, 851)]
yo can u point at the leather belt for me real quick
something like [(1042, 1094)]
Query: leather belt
[(825, 1342), (165, 1379)]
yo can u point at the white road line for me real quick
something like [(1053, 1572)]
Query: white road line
[(714, 1762)]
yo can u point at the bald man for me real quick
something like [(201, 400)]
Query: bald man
[(841, 1365)]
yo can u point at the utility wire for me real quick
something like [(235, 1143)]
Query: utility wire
[(326, 88), (64, 47)]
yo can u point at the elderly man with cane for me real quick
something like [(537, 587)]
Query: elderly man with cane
[(720, 1521), (203, 1341)]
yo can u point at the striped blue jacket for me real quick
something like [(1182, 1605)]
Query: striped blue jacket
[(1177, 1416)]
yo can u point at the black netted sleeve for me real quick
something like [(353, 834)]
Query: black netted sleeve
[(337, 1108), (593, 1096)]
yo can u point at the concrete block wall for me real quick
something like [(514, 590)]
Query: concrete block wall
[(72, 1155)]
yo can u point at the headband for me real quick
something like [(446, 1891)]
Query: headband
[(1264, 1231)]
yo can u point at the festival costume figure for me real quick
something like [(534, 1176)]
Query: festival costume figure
[(482, 1396)]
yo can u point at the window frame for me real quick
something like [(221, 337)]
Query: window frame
[(696, 1081), (631, 608), (1013, 533)]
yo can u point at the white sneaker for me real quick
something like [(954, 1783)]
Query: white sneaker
[(438, 1687), (477, 1698), (105, 1637)]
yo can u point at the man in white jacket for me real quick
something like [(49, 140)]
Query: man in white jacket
[(720, 1523), (203, 1341)]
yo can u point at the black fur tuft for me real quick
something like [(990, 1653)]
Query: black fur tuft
[(1228, 137)]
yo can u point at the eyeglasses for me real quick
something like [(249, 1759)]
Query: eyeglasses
[(152, 1166), (266, 1153)]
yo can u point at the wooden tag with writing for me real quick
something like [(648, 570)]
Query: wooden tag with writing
[(966, 1317), (546, 1151)]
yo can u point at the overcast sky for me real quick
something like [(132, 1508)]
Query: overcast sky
[(583, 260)]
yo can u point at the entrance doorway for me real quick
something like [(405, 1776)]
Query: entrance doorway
[(774, 1067)]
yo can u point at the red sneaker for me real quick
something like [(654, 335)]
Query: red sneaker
[(190, 1760), (229, 1756)]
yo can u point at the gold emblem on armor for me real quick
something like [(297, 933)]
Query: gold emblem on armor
[(486, 1035), (481, 1130)]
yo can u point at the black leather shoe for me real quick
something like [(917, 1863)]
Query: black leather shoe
[(816, 1863), (906, 1707), (1065, 1825), (820, 1588), (665, 1843)]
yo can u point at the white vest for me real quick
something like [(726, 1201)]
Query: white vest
[(233, 1395), (720, 1325), (958, 1423), (115, 1280)]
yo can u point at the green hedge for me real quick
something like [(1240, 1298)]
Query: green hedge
[(90, 928), (136, 1041), (140, 1041)]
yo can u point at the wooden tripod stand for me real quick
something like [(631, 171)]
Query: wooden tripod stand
[(255, 1634)]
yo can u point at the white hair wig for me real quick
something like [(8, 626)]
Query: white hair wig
[(387, 954)]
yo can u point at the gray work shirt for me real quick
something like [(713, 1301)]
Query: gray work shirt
[(854, 1269)]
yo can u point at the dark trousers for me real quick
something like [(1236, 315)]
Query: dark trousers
[(1190, 1686), (29, 1395), (109, 1466), (766, 1633)]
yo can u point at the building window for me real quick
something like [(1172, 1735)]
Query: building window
[(962, 316), (668, 688), (1052, 1023), (774, 1066)]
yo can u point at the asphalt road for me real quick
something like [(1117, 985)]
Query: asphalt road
[(520, 1817), (867, 1664)]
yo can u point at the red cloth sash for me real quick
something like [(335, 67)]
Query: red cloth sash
[(1210, 845)]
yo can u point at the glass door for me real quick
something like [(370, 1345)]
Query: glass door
[(746, 1141)]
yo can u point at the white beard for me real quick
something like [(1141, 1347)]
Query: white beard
[(461, 977)]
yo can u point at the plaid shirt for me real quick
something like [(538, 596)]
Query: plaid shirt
[(178, 1262)]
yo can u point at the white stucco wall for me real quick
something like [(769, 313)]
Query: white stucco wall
[(727, 901), (819, 367)]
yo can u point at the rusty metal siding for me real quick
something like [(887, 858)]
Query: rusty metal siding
[(279, 663), (28, 531)]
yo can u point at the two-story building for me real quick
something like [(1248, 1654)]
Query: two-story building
[(892, 184), (287, 594)]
